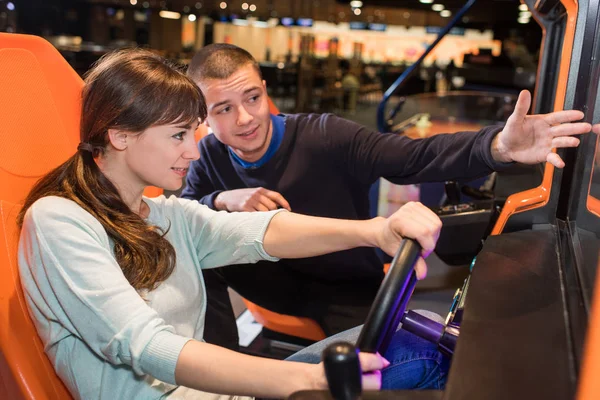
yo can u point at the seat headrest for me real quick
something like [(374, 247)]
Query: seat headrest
[(33, 136)]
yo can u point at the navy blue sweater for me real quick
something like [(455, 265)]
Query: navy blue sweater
[(325, 166)]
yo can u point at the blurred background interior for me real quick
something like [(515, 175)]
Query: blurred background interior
[(326, 56)]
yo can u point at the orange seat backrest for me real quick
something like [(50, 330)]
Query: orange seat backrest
[(39, 129), (39, 112), (40, 106), (25, 371)]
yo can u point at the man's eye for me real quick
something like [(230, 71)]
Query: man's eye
[(254, 98), (179, 136), (225, 110)]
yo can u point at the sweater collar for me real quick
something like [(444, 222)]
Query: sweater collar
[(278, 123)]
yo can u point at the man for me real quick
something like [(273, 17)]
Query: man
[(323, 165)]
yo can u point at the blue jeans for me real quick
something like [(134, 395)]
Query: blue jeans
[(414, 362)]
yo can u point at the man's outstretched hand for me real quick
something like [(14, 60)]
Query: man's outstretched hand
[(529, 139)]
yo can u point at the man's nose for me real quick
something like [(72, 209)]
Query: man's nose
[(244, 117)]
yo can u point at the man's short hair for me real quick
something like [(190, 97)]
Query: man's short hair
[(219, 61)]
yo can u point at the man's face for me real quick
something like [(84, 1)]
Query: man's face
[(238, 112)]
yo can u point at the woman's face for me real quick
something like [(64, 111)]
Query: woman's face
[(161, 155)]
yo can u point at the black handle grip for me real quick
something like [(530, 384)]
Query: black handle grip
[(342, 369), (391, 300), (452, 190)]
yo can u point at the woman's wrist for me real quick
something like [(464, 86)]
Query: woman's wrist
[(376, 232), (318, 381)]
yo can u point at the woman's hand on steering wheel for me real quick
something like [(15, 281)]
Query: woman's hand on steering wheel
[(416, 221), (371, 365)]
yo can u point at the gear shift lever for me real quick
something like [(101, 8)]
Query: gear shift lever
[(342, 369)]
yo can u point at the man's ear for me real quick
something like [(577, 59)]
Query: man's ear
[(118, 139), (264, 84)]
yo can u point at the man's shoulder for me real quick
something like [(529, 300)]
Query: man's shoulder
[(312, 123), (211, 148), (210, 141), (309, 117)]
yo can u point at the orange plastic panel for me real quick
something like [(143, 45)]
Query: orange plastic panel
[(152, 191), (300, 327), (539, 196), (25, 370), (272, 107)]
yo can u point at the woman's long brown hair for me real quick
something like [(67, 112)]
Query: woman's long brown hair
[(128, 90)]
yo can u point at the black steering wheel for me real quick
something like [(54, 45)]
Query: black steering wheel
[(392, 298)]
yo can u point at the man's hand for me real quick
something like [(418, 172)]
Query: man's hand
[(416, 221), (529, 139), (252, 199)]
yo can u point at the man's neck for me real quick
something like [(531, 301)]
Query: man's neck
[(254, 157)]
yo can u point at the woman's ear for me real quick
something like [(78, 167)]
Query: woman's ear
[(118, 139)]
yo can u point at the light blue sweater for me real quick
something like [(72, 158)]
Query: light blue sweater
[(105, 339)]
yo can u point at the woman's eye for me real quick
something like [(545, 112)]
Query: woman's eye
[(179, 136)]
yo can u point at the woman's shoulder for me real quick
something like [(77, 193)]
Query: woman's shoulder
[(163, 202), (49, 211), (50, 205), (172, 206)]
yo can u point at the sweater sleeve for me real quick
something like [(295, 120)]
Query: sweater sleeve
[(71, 279), (198, 185), (223, 238), (369, 155)]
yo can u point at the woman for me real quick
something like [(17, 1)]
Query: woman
[(113, 279)]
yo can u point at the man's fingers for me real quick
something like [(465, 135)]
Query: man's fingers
[(523, 104), (576, 128), (555, 160), (279, 199), (266, 201), (560, 117), (596, 129), (565, 141), (260, 207)]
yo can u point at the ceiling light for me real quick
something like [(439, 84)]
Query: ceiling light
[(523, 7), (437, 7), (223, 5), (525, 14), (356, 4), (191, 17), (244, 6), (133, 2), (357, 11), (445, 13), (169, 14), (252, 7), (523, 20), (426, 1)]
